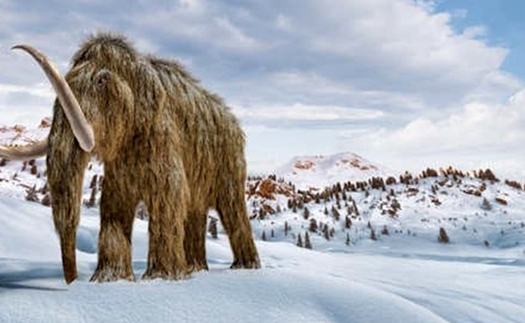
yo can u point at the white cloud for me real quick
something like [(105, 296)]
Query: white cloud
[(478, 135), (476, 125), (396, 38), (198, 21), (300, 112), (283, 23)]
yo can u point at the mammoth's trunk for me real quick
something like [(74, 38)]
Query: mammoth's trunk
[(66, 164)]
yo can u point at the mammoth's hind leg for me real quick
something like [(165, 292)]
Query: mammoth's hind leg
[(114, 242), (195, 240), (231, 207)]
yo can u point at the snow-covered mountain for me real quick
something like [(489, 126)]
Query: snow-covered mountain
[(373, 250), (323, 170)]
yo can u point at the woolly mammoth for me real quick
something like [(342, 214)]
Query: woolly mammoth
[(164, 141)]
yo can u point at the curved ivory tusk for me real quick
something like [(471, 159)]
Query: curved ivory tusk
[(31, 151), (81, 128)]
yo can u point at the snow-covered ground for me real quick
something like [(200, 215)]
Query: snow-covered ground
[(434, 283), (400, 279)]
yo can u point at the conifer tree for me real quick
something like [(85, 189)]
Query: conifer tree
[(313, 225), (307, 242), (213, 228), (348, 222), (306, 213), (326, 232), (373, 235), (335, 214), (443, 237), (299, 241)]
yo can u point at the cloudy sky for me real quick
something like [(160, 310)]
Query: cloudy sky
[(405, 83)]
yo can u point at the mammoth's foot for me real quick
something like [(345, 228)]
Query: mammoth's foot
[(153, 273), (197, 265), (253, 263), (108, 274)]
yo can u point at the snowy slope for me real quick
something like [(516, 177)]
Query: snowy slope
[(295, 285), (403, 275), (321, 170)]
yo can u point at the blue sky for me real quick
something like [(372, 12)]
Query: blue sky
[(408, 84), (504, 23)]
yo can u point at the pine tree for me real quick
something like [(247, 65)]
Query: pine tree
[(34, 169), (326, 232), (485, 205), (31, 194), (92, 198), (348, 222), (299, 241), (313, 225), (347, 242), (263, 237), (443, 237), (306, 213), (335, 213), (286, 228), (46, 200), (307, 243), (212, 229), (93, 182), (373, 235)]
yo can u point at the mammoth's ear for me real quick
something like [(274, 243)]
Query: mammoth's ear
[(149, 90)]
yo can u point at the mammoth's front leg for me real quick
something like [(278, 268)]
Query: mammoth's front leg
[(167, 205), (114, 243), (65, 173)]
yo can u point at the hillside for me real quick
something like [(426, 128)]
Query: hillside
[(341, 200)]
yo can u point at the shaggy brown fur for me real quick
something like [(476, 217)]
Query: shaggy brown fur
[(164, 140)]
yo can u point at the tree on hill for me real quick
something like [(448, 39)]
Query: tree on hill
[(313, 225), (307, 243), (299, 241), (373, 235), (212, 229), (306, 213), (443, 237), (348, 222), (485, 205)]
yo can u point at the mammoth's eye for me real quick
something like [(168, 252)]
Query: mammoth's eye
[(102, 77)]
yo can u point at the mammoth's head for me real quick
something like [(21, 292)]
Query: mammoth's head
[(95, 96)]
